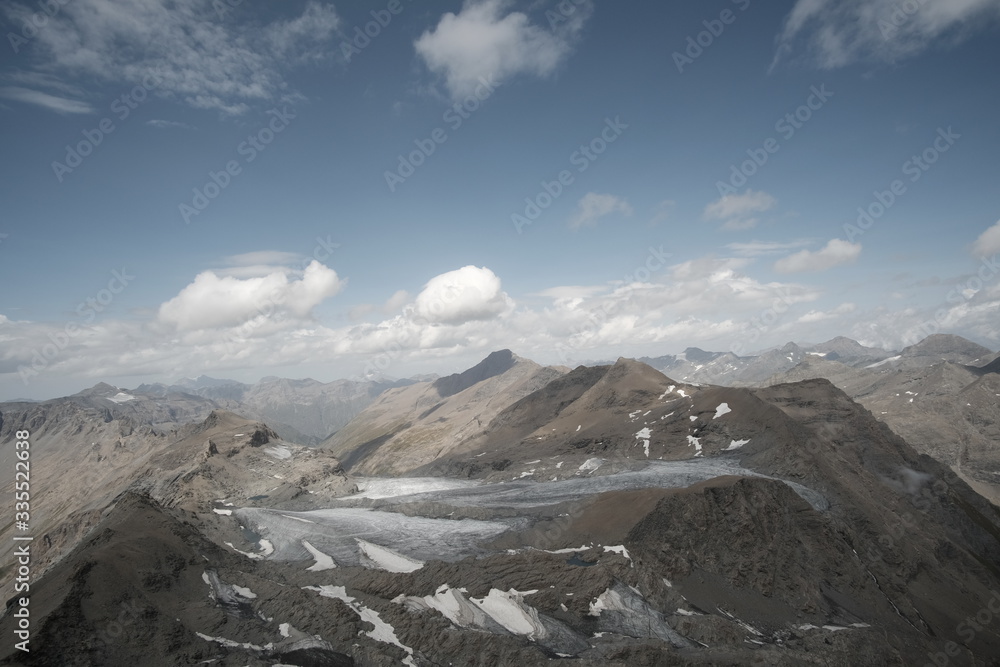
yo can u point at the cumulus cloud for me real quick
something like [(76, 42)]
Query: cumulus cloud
[(593, 206), (182, 49), (218, 324), (835, 253), (840, 32), (214, 301), (737, 210), (466, 294), (988, 243), (485, 41)]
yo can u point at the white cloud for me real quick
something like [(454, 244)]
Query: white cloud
[(841, 32), (988, 243), (737, 210), (485, 41), (593, 206), (835, 253), (213, 302), (396, 301), (166, 124), (662, 212), (38, 98), (466, 294), (181, 49), (221, 324), (758, 248), (822, 316)]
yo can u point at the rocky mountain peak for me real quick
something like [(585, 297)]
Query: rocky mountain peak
[(496, 363), (948, 347)]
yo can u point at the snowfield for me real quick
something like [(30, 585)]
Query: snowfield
[(350, 536)]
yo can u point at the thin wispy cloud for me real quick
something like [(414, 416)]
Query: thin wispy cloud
[(840, 32), (594, 206), (50, 102), (167, 124), (836, 252), (759, 248), (181, 49), (737, 211)]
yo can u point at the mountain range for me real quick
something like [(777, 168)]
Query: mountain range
[(623, 513)]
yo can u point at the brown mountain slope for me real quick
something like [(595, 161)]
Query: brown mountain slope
[(408, 427)]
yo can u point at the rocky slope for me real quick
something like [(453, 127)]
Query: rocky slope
[(947, 409), (80, 462), (410, 426)]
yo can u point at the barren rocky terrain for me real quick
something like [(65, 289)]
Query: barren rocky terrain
[(520, 514)]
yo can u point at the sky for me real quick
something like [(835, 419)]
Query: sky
[(242, 188)]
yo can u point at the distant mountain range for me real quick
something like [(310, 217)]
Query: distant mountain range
[(304, 411), (616, 514)]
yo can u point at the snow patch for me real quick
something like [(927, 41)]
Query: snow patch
[(884, 361), (323, 561), (721, 410), (222, 512), (382, 632), (508, 609), (231, 644), (735, 444), (244, 592), (644, 435), (279, 452), (121, 397), (381, 558), (620, 549), (591, 464)]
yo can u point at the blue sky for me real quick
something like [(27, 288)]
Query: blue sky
[(247, 188)]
